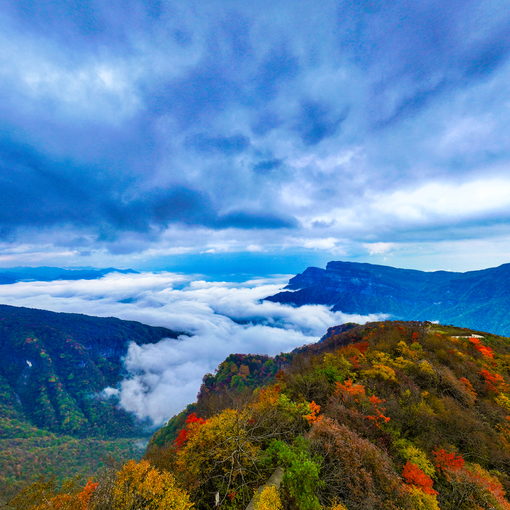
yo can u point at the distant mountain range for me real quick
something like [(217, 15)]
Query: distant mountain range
[(46, 274), (474, 299)]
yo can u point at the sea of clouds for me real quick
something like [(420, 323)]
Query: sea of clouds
[(218, 318)]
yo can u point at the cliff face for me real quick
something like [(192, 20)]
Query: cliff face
[(475, 299)]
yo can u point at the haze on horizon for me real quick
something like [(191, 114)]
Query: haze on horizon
[(262, 137)]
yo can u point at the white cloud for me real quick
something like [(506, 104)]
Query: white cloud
[(102, 87), (378, 248), (326, 243), (447, 200), (434, 203), (220, 317)]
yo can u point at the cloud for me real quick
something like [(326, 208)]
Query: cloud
[(219, 317), (437, 205), (332, 244), (378, 248), (478, 198), (316, 123)]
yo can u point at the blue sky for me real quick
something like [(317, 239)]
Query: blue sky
[(263, 136)]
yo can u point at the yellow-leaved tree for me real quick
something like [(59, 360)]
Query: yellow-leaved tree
[(220, 456), (268, 499), (139, 485)]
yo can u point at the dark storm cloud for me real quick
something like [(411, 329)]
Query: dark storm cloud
[(191, 207), (267, 165), (133, 116), (246, 219), (46, 193), (316, 122)]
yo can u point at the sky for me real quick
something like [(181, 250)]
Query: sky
[(254, 137)]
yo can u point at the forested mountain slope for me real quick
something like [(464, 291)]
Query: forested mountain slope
[(53, 367), (390, 415), (385, 416)]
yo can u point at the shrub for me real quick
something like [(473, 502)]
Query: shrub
[(354, 470), (409, 452), (268, 499), (470, 487), (413, 475), (301, 478), (419, 500), (220, 456)]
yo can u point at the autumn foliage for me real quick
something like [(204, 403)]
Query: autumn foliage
[(413, 475), (86, 494), (357, 393), (351, 389), (485, 351), (448, 461), (140, 486), (386, 416), (192, 422), (313, 416), (268, 499), (493, 380)]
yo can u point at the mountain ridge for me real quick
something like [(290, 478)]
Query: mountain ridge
[(53, 418), (50, 273), (475, 299)]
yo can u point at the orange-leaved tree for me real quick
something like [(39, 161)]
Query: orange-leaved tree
[(192, 422), (413, 475)]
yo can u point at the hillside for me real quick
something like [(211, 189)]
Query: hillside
[(390, 415), (54, 365), (53, 368), (475, 299)]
